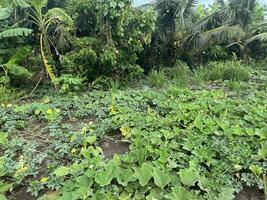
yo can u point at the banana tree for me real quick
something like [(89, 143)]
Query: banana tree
[(12, 68), (44, 22), (9, 11)]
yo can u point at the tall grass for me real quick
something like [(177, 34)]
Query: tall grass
[(229, 70)]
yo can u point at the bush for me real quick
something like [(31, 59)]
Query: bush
[(229, 70), (119, 32)]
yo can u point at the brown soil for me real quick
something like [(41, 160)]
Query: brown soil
[(114, 145), (20, 193), (250, 193)]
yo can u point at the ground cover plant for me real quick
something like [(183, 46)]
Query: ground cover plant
[(172, 143)]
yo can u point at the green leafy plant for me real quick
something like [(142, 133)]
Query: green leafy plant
[(11, 68), (55, 16), (69, 83)]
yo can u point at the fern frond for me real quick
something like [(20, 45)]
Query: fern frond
[(14, 32), (222, 34)]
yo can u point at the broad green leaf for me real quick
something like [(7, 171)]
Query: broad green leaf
[(161, 179), (256, 170), (62, 171), (22, 3), (125, 177), (18, 70), (179, 193), (2, 197), (15, 32), (5, 13), (110, 172), (188, 176), (20, 54), (263, 151), (3, 138), (83, 181), (263, 133), (4, 79), (4, 187), (90, 140), (143, 174), (2, 167)]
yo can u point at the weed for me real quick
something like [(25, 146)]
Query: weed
[(8, 95), (157, 78)]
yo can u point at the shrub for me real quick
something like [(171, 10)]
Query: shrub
[(120, 31)]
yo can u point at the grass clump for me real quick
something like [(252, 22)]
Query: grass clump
[(229, 70), (157, 78)]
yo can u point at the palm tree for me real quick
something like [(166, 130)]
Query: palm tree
[(227, 25), (44, 22)]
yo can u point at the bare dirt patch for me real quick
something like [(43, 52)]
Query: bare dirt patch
[(250, 193), (114, 144)]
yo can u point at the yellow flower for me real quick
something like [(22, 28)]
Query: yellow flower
[(49, 111), (125, 131), (22, 169), (73, 151), (113, 110), (9, 105), (44, 179)]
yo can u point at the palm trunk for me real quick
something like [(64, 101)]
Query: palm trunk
[(45, 61)]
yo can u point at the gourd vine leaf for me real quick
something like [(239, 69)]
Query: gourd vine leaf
[(161, 179), (62, 171), (144, 174), (188, 176), (125, 177), (263, 133), (180, 193), (4, 187), (104, 177)]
